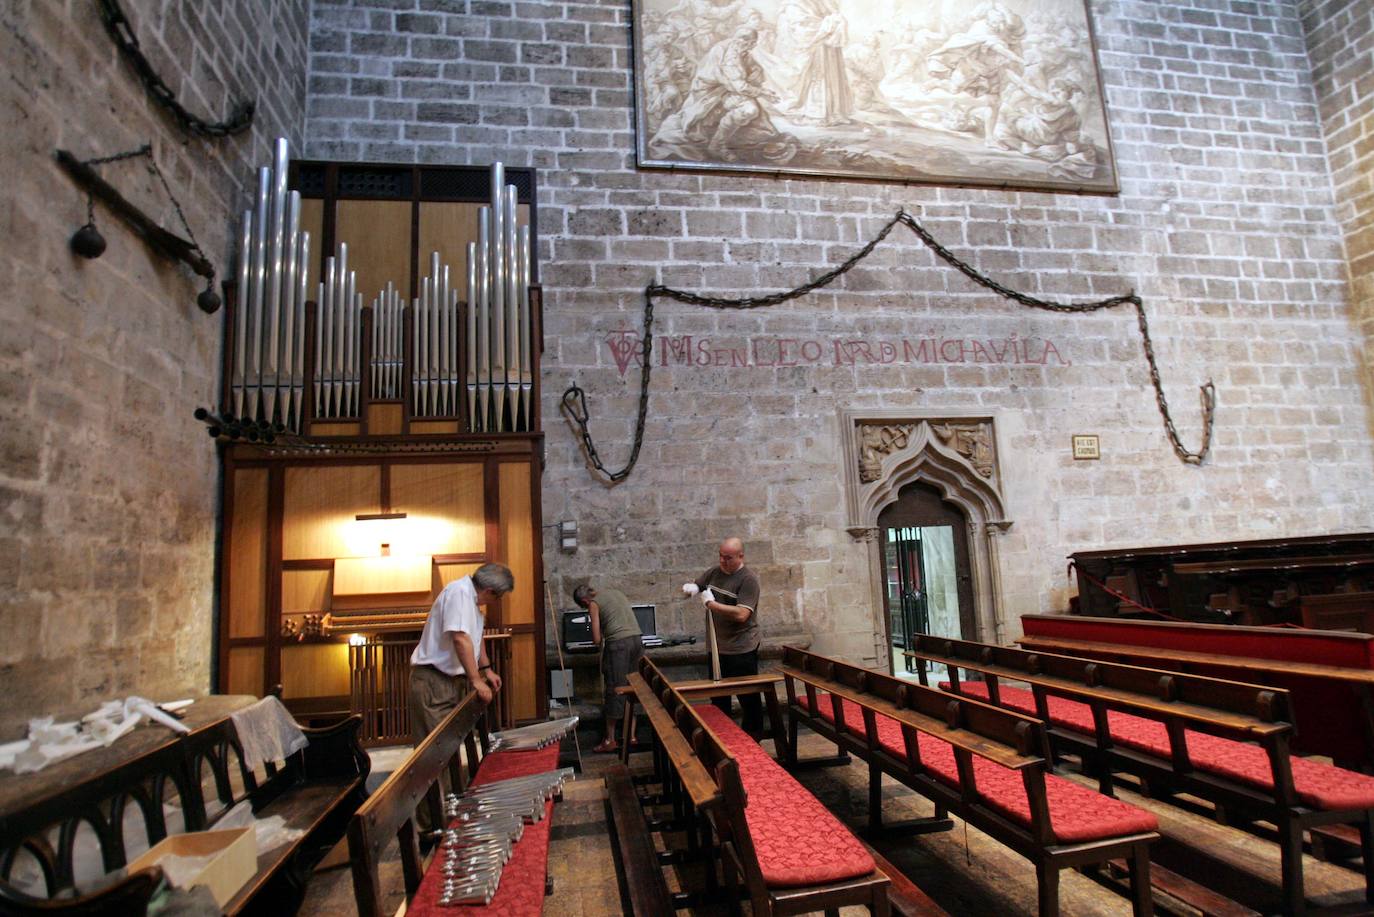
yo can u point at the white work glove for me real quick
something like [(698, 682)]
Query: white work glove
[(690, 589), (708, 596)]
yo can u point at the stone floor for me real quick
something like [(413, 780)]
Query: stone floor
[(963, 870)]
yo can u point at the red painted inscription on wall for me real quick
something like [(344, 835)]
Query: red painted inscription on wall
[(627, 349)]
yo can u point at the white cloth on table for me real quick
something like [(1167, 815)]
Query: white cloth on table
[(50, 741), (267, 732)]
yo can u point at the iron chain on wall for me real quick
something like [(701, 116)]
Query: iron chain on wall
[(574, 401), (122, 33)]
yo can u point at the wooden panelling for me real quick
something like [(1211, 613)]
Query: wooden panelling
[(381, 575), (305, 591), (312, 221), (245, 670), (248, 555), (447, 573), (434, 426), (378, 237), (447, 227), (524, 691), (385, 419), (517, 541), (443, 504), (314, 670), (321, 501), (335, 429)]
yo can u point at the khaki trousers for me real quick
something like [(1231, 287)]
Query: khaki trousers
[(433, 695)]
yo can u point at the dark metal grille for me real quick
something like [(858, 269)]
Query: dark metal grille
[(471, 184), (381, 183), (309, 181)]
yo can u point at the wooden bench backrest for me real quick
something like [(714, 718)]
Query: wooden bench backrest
[(965, 721), (726, 809), (389, 812), (654, 695), (91, 792), (1265, 704)]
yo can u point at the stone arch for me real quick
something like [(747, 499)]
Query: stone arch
[(956, 454)]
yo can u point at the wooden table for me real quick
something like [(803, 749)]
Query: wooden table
[(50, 789)]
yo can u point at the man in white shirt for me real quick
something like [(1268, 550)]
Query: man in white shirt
[(450, 659)]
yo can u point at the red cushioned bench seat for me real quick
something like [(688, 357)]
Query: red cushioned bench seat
[(1077, 814), (989, 766), (1322, 786), (797, 840), (521, 892)]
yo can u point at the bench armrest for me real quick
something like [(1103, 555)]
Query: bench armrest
[(128, 895), (334, 751)]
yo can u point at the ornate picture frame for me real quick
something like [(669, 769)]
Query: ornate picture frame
[(1003, 93)]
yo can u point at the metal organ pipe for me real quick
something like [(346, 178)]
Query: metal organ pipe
[(434, 369), (386, 351), (499, 370), (482, 366), (268, 353), (337, 339)]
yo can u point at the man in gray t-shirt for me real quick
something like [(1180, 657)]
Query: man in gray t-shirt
[(734, 610), (615, 629)]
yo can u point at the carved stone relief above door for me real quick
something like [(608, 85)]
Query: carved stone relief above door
[(955, 453)]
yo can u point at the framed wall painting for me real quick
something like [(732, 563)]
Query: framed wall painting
[(998, 92)]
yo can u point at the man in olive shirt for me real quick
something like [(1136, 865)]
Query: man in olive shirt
[(730, 592), (613, 627)]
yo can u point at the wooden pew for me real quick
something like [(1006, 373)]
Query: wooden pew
[(389, 813), (645, 885), (316, 790), (1329, 674), (793, 855), (987, 765), (1224, 741)]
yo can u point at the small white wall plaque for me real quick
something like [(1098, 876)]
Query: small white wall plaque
[(1085, 446)]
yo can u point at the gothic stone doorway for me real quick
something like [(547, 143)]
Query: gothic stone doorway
[(927, 576), (955, 458)]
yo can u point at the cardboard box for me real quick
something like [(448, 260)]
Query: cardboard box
[(233, 858)]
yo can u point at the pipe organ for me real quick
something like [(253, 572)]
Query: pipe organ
[(390, 318), (471, 360)]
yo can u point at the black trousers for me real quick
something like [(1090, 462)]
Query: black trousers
[(752, 704)]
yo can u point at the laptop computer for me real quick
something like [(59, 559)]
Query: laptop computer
[(647, 616)]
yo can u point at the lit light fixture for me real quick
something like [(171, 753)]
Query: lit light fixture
[(567, 535), (381, 517), (356, 639)]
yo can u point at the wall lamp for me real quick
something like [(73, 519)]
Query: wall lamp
[(381, 517)]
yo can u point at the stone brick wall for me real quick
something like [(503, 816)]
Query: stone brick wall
[(108, 486), (1225, 224), (1340, 40)]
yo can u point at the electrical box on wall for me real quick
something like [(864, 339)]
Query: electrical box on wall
[(561, 684)]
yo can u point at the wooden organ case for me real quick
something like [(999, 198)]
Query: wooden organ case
[(411, 452)]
